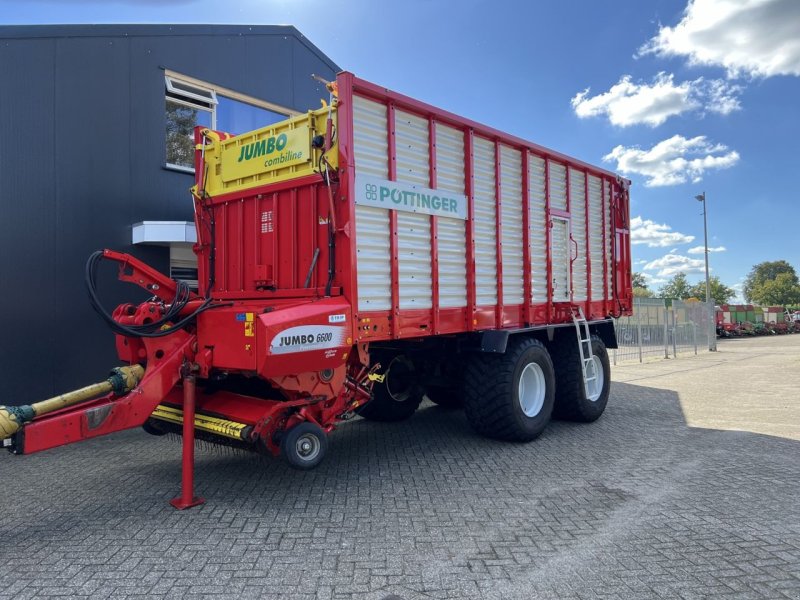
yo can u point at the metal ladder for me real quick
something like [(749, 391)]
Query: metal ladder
[(585, 347)]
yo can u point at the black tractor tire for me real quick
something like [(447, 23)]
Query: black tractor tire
[(571, 403), (492, 391), (398, 396), (304, 446)]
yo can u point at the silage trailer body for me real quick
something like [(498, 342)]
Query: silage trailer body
[(358, 256)]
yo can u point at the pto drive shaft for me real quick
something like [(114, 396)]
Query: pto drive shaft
[(121, 381)]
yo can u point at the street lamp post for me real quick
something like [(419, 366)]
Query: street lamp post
[(712, 329)]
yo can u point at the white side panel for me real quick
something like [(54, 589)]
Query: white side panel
[(485, 226), (370, 140), (414, 260), (557, 179), (596, 236), (371, 149), (413, 230), (577, 210), (609, 239), (559, 244), (511, 225), (374, 259), (537, 220), (451, 234), (411, 149)]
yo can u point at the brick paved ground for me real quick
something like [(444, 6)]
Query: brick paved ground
[(637, 505)]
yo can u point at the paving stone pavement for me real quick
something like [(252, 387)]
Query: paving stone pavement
[(640, 504)]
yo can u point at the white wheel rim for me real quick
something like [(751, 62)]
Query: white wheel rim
[(307, 447), (596, 386), (532, 389)]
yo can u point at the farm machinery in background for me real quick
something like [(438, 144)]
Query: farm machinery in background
[(737, 320), (351, 260)]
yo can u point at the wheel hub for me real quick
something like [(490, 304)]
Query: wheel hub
[(596, 386), (532, 389), (307, 446)]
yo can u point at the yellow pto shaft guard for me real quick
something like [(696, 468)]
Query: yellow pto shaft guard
[(121, 381)]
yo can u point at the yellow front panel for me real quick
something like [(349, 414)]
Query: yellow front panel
[(279, 152)]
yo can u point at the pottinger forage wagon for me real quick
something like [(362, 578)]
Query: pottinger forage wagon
[(351, 260)]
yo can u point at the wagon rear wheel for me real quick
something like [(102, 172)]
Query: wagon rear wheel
[(510, 396)]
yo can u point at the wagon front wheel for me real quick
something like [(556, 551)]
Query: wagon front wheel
[(304, 446)]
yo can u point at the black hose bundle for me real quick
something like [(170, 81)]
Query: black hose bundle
[(150, 330)]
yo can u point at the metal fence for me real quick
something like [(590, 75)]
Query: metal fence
[(658, 328)]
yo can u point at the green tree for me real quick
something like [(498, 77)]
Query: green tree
[(764, 272), (781, 291), (640, 289), (677, 287), (720, 293), (180, 134)]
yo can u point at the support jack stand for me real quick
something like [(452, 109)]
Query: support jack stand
[(187, 498)]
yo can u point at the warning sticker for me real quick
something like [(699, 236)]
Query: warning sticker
[(305, 338)]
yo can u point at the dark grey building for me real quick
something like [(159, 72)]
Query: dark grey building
[(94, 154)]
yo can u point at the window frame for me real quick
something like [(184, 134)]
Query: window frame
[(210, 103)]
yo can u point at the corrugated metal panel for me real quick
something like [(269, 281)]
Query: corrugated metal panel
[(374, 259), (371, 149), (537, 221), (577, 209), (414, 254), (451, 235), (484, 224), (559, 242), (511, 223), (596, 236), (413, 230), (609, 240), (557, 180), (411, 148), (370, 143)]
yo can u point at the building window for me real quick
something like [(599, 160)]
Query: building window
[(183, 265), (191, 103)]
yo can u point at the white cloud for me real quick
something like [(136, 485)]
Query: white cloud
[(630, 103), (759, 38), (656, 235), (652, 280), (722, 97), (673, 161), (701, 249), (672, 264)]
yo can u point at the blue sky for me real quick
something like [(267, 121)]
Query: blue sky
[(681, 97)]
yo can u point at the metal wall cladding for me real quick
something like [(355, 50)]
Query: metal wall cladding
[(373, 254), (511, 225), (557, 183), (86, 107), (596, 236), (412, 149), (485, 224), (451, 235), (577, 209), (537, 223)]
